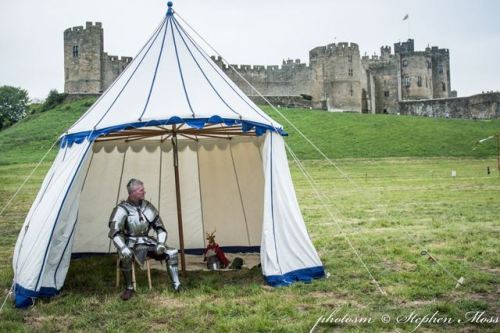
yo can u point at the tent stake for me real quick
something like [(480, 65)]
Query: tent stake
[(178, 198)]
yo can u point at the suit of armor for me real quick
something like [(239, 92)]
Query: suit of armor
[(129, 227)]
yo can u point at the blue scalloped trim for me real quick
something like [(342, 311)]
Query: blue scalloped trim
[(198, 123)]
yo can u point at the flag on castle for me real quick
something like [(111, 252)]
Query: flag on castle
[(406, 17)]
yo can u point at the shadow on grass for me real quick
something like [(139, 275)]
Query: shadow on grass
[(97, 275)]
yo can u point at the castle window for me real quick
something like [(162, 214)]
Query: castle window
[(351, 91), (426, 82), (429, 65), (386, 93), (406, 82), (443, 85), (75, 51), (419, 81), (405, 63), (440, 69), (349, 58), (350, 72)]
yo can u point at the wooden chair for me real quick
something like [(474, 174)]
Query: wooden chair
[(148, 269)]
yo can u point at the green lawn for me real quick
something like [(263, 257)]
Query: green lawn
[(394, 203)]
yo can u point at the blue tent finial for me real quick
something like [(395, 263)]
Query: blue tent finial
[(170, 11)]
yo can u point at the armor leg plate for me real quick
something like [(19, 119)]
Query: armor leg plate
[(173, 268), (126, 268)]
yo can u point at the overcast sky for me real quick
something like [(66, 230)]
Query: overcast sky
[(254, 32)]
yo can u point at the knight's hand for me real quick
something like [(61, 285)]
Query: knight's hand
[(126, 253), (160, 249)]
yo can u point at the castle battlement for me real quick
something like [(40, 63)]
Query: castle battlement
[(434, 50), (375, 58), (89, 25), (79, 29), (342, 47), (118, 58)]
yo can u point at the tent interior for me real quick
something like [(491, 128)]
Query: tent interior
[(221, 182)]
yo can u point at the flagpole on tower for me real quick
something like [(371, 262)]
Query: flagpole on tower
[(407, 18)]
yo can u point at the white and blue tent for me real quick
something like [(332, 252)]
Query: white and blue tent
[(209, 157)]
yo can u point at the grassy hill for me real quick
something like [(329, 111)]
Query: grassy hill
[(338, 135), (342, 135), (28, 140)]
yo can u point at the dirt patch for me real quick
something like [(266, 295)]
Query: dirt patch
[(57, 323)]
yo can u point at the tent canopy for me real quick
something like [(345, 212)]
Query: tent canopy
[(206, 153), (171, 81)]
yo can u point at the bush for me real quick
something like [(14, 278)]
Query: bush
[(53, 99)]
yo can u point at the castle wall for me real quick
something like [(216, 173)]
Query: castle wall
[(482, 106), (82, 58), (293, 78), (112, 66)]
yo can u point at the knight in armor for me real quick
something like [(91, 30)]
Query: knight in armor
[(129, 227)]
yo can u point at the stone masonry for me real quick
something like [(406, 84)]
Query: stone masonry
[(87, 68), (336, 78)]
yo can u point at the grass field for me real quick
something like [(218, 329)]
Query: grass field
[(390, 208)]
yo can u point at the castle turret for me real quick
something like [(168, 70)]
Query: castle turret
[(385, 51), (440, 72), (338, 72), (83, 49)]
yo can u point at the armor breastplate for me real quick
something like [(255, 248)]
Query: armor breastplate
[(138, 219)]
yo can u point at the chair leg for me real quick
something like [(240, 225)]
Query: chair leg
[(148, 265), (133, 276), (117, 272)]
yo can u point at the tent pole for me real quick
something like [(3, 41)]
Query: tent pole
[(178, 198)]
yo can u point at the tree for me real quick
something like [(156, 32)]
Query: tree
[(13, 105)]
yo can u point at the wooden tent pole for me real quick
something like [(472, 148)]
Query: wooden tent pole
[(178, 198)]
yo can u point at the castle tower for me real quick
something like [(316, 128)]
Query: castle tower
[(440, 72), (83, 51), (339, 73), (386, 74), (416, 72)]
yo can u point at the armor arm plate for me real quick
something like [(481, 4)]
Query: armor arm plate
[(117, 222), (162, 236)]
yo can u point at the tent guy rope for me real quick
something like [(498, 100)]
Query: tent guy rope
[(459, 281), (323, 202), (28, 178)]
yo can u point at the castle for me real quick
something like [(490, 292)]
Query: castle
[(337, 78)]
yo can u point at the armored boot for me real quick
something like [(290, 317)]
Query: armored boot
[(126, 268), (173, 269)]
